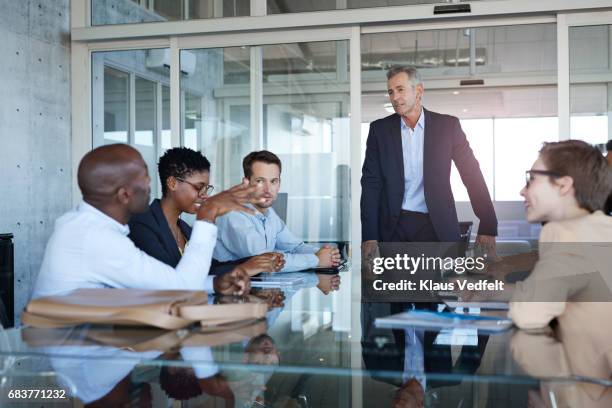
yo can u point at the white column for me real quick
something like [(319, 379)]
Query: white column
[(354, 280), (175, 93), (256, 83), (355, 149), (609, 88), (80, 63), (158, 119), (132, 109), (217, 8), (97, 94), (563, 77), (258, 8), (80, 13)]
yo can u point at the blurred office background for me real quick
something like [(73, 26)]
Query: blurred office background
[(300, 78)]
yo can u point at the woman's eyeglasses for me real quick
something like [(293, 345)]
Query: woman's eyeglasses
[(530, 173), (205, 190)]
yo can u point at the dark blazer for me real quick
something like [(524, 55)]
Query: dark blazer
[(382, 181), (151, 233)]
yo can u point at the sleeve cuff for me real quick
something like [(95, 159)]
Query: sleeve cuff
[(487, 230), (208, 285), (202, 361), (203, 231), (314, 260)]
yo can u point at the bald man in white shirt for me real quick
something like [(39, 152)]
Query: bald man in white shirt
[(90, 248)]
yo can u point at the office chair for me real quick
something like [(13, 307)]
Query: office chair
[(280, 206)]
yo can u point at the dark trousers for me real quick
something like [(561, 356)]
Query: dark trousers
[(414, 227)]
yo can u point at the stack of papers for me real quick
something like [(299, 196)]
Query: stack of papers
[(443, 320)]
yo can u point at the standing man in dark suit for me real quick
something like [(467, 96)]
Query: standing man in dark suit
[(406, 193)]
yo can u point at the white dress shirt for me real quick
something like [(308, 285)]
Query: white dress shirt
[(89, 249), (96, 370)]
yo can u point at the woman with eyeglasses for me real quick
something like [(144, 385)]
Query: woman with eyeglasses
[(161, 233), (571, 283), (567, 188)]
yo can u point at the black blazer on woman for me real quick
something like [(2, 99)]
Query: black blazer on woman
[(151, 233)]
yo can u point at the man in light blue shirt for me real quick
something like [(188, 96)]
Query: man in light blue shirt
[(241, 235)]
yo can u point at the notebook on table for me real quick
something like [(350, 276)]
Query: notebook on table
[(442, 320)]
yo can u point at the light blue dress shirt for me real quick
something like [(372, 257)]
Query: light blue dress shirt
[(241, 235), (413, 141), (414, 356)]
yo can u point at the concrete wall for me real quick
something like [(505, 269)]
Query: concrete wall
[(34, 129)]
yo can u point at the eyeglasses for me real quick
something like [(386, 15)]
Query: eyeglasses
[(529, 175), (205, 190)]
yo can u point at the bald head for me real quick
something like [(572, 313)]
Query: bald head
[(115, 175), (107, 168)]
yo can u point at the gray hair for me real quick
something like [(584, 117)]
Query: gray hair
[(413, 74)]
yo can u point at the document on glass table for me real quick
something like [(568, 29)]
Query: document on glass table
[(454, 304), (284, 280), (443, 320)]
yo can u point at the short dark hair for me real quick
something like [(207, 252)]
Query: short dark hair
[(585, 165), (260, 156), (181, 384), (609, 146), (180, 162), (411, 71)]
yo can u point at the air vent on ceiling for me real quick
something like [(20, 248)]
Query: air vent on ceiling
[(452, 8), (467, 82)]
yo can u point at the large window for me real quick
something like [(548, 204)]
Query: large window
[(500, 115), (104, 12), (116, 106), (300, 6), (303, 118), (131, 103), (591, 83), (215, 109), (306, 122)]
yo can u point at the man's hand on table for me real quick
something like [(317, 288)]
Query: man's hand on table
[(328, 256), (328, 283)]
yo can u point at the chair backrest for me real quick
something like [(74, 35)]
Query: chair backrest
[(7, 280), (280, 206)]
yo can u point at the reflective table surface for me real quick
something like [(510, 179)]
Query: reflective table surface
[(318, 347)]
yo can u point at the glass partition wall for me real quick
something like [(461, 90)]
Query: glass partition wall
[(499, 81), (590, 83), (304, 120), (232, 93), (131, 104)]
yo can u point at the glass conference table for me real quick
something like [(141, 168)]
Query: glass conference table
[(312, 350)]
